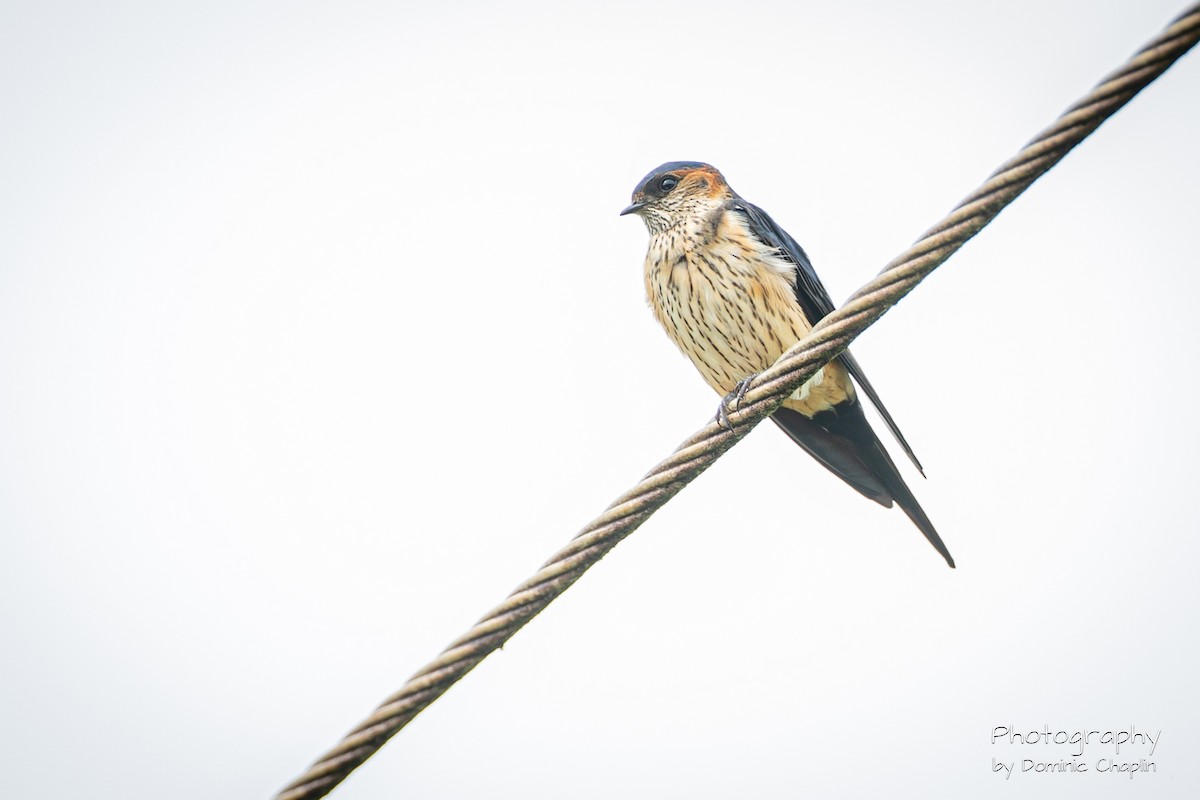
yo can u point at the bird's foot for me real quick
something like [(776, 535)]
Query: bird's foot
[(734, 399)]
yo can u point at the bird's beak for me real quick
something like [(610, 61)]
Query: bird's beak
[(633, 208)]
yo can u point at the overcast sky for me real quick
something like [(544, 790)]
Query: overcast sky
[(319, 332)]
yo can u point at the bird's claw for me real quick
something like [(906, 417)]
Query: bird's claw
[(734, 398)]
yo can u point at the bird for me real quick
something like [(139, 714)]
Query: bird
[(733, 291)]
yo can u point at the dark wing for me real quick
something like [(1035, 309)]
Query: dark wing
[(814, 299), (836, 453), (842, 440), (860, 378)]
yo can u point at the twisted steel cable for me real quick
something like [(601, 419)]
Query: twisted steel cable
[(827, 339)]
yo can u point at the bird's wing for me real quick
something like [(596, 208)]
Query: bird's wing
[(843, 441), (815, 301), (835, 453)]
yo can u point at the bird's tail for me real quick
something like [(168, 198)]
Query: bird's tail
[(844, 442)]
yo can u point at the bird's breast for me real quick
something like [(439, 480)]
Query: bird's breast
[(728, 302)]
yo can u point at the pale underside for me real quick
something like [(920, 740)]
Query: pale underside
[(728, 301)]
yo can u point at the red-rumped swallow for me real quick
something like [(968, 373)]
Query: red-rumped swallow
[(733, 290)]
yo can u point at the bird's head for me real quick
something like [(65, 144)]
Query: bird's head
[(678, 191)]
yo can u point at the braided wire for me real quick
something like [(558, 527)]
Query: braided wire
[(827, 339)]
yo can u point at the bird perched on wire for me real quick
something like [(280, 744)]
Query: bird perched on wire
[(733, 290)]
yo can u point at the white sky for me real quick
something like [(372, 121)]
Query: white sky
[(319, 332)]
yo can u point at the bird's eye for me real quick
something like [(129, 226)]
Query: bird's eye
[(668, 183)]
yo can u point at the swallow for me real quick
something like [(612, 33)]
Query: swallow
[(733, 290)]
